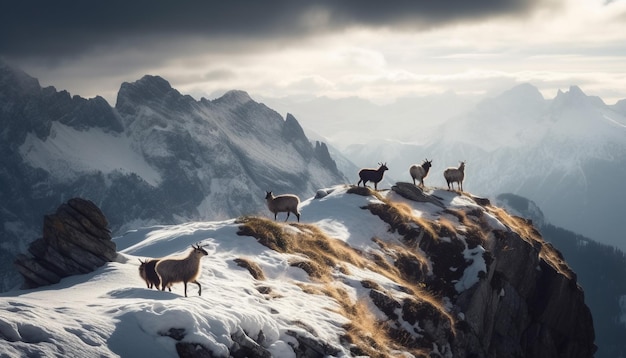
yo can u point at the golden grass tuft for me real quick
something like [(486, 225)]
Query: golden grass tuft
[(254, 269), (321, 254), (446, 227)]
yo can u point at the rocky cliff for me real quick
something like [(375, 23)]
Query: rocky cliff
[(526, 302)]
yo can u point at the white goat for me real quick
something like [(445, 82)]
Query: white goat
[(420, 172), (286, 203), (172, 270), (453, 175)]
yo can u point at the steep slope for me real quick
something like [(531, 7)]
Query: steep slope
[(600, 269), (394, 273), (567, 154), (157, 157)]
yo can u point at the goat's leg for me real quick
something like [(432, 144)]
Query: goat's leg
[(199, 287), (287, 218)]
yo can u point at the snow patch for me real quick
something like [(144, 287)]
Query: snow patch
[(471, 274), (68, 153)]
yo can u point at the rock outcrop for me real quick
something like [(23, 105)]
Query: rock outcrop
[(76, 240), (527, 302)]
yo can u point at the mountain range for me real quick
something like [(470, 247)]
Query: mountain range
[(567, 154), (156, 157), (159, 157)]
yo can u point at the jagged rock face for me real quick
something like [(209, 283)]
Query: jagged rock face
[(76, 240), (527, 303), (526, 307)]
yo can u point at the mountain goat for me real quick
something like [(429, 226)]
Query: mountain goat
[(283, 203), (373, 175), (172, 270), (148, 274), (420, 172), (453, 175)]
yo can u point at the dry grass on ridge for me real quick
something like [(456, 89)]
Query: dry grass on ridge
[(323, 256), (529, 233)]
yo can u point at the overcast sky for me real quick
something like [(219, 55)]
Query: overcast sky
[(379, 50)]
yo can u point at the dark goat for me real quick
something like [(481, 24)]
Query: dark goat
[(373, 175), (148, 274)]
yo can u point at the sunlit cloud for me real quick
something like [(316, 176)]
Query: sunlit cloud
[(327, 50)]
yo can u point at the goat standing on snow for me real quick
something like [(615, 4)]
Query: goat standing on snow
[(183, 270), (453, 175), (148, 273), (420, 172), (373, 175), (286, 203)]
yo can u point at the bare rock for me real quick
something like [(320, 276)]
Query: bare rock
[(415, 193), (76, 240)]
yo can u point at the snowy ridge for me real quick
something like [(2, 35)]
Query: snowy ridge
[(131, 319), (111, 313)]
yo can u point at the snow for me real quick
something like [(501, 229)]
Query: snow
[(111, 313), (470, 275), (68, 153)]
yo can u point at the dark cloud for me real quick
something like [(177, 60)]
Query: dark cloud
[(35, 28)]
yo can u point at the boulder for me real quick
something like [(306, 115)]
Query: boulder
[(76, 240)]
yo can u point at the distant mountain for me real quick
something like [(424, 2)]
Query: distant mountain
[(156, 157), (342, 120), (567, 154), (600, 270)]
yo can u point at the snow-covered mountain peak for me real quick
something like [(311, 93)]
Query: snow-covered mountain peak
[(17, 79), (523, 93), (152, 91), (235, 97), (156, 86), (575, 97)]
